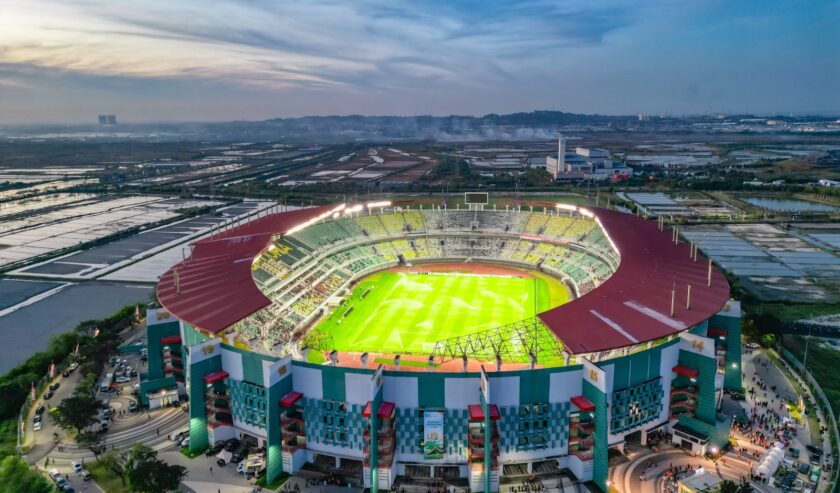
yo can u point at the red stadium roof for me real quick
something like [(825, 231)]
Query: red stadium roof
[(217, 289), (633, 306)]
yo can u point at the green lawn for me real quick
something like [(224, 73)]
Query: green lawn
[(409, 312)]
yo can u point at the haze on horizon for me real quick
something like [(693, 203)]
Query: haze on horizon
[(218, 60)]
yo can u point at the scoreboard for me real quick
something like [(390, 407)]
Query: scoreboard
[(471, 198)]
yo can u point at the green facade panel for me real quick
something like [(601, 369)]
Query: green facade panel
[(274, 452), (732, 377), (198, 412), (600, 444), (707, 368)]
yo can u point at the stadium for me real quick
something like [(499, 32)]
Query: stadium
[(468, 349)]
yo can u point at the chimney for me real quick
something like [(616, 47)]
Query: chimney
[(561, 154)]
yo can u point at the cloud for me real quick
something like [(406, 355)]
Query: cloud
[(309, 44)]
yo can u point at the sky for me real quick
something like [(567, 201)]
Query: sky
[(66, 61)]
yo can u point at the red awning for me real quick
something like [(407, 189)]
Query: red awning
[(685, 371), (386, 410), (171, 340), (583, 403), (290, 399), (477, 414), (717, 332), (216, 376)]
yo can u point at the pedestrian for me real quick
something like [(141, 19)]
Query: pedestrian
[(158, 432), (211, 470)]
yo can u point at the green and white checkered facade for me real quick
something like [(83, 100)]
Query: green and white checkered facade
[(534, 405)]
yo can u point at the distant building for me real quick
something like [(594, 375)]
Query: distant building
[(829, 183), (585, 162), (107, 120)]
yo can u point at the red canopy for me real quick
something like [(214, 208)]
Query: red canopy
[(216, 376), (477, 413), (685, 371), (386, 410), (583, 403), (290, 399), (171, 340), (717, 332)]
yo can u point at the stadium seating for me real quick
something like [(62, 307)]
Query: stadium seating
[(299, 275)]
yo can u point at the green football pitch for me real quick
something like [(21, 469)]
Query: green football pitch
[(409, 312)]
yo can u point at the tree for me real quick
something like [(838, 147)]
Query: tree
[(114, 462), (727, 486), (76, 412), (15, 476), (156, 476), (91, 441), (768, 340), (139, 454)]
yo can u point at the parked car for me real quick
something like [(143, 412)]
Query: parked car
[(239, 455), (85, 475), (48, 395), (65, 373), (54, 386), (77, 465), (36, 426), (215, 449), (132, 406), (57, 478), (74, 366), (40, 409), (185, 442), (232, 444), (123, 379), (36, 418)]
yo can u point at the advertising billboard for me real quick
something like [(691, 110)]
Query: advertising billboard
[(433, 435)]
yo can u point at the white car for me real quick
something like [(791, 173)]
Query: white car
[(123, 379), (36, 426), (77, 466), (73, 366)]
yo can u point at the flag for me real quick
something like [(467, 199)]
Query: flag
[(76, 352), (52, 370), (32, 392), (96, 332), (137, 313)]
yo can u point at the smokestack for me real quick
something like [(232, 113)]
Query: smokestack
[(688, 298), (364, 360), (177, 281), (561, 154)]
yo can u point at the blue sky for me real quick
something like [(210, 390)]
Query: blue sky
[(188, 60)]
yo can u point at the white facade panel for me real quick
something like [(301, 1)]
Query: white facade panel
[(308, 381)]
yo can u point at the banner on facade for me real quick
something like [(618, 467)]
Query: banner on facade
[(433, 435)]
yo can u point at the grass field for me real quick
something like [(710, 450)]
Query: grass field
[(410, 312)]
